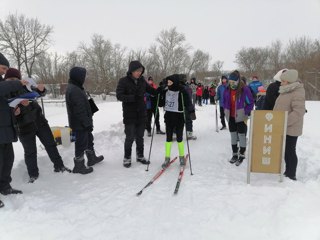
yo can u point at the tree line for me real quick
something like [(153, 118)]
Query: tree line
[(26, 41)]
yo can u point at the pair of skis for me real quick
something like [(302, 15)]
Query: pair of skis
[(162, 170)]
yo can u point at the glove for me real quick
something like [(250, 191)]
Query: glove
[(193, 115)]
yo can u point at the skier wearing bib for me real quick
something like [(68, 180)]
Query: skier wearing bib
[(174, 99)]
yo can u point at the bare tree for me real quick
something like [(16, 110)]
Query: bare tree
[(252, 60), (24, 39), (217, 68)]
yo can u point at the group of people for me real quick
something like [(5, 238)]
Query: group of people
[(172, 94), (202, 93), (237, 100), (141, 100), (25, 120)]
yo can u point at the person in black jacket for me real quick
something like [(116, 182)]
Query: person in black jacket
[(176, 102), (273, 91), (7, 130), (80, 121), (31, 123), (130, 91)]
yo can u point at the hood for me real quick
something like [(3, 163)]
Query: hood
[(77, 76), (134, 65), (175, 78)]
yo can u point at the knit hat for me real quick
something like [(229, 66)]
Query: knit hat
[(234, 76), (150, 78), (4, 61), (290, 75), (277, 76), (224, 77), (12, 73)]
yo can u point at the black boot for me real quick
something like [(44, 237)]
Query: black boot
[(1, 204), (79, 166), (62, 169), (10, 190), (143, 160), (92, 158)]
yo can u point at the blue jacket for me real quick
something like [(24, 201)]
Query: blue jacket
[(220, 92)]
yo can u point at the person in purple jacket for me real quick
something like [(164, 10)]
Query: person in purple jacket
[(238, 103)]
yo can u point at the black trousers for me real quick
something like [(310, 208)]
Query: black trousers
[(222, 117), (177, 128), (150, 113), (189, 123), (84, 141), (290, 156), (30, 149), (6, 163), (134, 132)]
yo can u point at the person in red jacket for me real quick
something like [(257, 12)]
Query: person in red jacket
[(199, 92)]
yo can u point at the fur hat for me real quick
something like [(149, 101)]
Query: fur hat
[(12, 73), (4, 61), (277, 76), (290, 75)]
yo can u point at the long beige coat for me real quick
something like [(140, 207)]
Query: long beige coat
[(292, 99)]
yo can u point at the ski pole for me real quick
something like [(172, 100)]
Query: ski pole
[(217, 128), (153, 132), (185, 121)]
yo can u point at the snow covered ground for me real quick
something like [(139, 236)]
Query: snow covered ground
[(214, 203)]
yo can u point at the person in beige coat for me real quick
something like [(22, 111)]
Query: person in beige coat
[(291, 99)]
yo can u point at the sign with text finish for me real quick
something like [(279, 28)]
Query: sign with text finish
[(267, 141)]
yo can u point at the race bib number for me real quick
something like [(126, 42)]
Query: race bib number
[(172, 101)]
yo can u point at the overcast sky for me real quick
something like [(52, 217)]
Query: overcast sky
[(219, 27)]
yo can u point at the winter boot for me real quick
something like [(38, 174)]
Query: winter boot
[(149, 133), (61, 169), (1, 204), (92, 158), (127, 162), (142, 160), (79, 166), (182, 161), (190, 136), (234, 158), (160, 132), (240, 159), (166, 162), (10, 190), (32, 179)]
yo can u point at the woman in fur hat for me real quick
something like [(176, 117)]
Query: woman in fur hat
[(291, 99)]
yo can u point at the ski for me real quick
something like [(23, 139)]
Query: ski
[(158, 174), (181, 172)]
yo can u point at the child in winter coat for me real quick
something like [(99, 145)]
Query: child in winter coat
[(175, 100), (238, 104)]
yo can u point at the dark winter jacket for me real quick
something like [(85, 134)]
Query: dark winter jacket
[(7, 131), (271, 95), (131, 92), (78, 107), (30, 117), (205, 94), (184, 102)]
